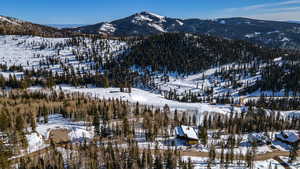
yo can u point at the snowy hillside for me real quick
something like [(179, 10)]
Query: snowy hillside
[(55, 54), (71, 111), (33, 52), (148, 98), (149, 91), (9, 20), (13, 26), (17, 50)]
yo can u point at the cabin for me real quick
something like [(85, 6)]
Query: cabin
[(188, 134), (259, 139), (290, 138)]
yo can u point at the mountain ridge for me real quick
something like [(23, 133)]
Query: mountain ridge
[(263, 32), (273, 34), (14, 26)]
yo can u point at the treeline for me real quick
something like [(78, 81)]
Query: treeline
[(123, 79), (110, 156), (121, 121), (133, 64), (284, 104), (252, 120), (22, 111), (27, 28)]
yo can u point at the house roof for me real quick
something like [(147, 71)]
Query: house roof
[(186, 131), (257, 137), (290, 137)]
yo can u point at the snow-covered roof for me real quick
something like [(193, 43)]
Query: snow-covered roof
[(290, 137), (186, 131), (257, 137)]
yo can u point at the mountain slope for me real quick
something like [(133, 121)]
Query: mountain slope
[(12, 26), (144, 23), (187, 53), (62, 26), (270, 33), (213, 66)]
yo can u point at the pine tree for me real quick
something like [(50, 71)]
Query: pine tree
[(176, 120), (203, 135), (137, 109), (190, 164), (212, 153), (222, 154), (20, 123), (96, 124), (105, 81), (2, 82), (32, 121), (293, 152), (158, 162), (5, 153)]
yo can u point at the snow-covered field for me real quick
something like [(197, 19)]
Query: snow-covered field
[(148, 98), (77, 130), (200, 82), (151, 98), (35, 142), (18, 50), (31, 52)]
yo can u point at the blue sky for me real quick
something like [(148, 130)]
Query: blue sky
[(92, 11)]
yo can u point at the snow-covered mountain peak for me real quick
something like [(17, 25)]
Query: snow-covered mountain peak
[(141, 18), (150, 17), (152, 14)]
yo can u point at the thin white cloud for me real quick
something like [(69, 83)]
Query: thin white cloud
[(262, 6), (278, 16), (285, 10)]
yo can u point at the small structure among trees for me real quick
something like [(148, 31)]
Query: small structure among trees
[(188, 134), (259, 139), (290, 138)]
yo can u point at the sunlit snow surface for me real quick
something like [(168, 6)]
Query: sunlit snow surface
[(24, 51), (15, 50), (147, 97)]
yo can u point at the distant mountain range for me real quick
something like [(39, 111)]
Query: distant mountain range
[(294, 22), (270, 33), (64, 26)]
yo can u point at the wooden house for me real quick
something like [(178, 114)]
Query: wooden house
[(188, 134)]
